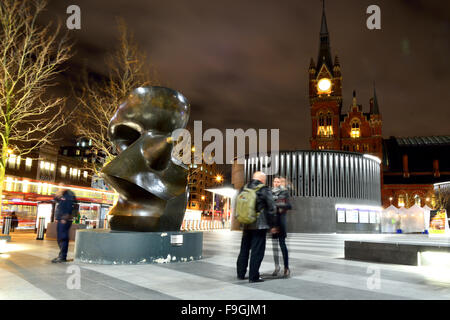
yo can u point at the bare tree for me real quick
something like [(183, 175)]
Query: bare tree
[(442, 193), (98, 101), (30, 58)]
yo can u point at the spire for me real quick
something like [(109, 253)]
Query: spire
[(324, 49), (336, 61), (323, 26), (374, 106), (354, 98)]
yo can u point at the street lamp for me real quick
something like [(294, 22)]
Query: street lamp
[(219, 178)]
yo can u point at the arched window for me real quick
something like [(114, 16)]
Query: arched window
[(356, 130), (329, 124), (401, 200), (325, 125), (321, 125), (321, 120), (417, 200)]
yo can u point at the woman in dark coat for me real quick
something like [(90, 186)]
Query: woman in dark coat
[(281, 198)]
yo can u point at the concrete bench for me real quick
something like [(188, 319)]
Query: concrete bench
[(392, 252)]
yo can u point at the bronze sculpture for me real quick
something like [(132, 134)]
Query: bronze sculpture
[(152, 184)]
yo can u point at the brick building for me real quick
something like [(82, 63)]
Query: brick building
[(410, 166), (201, 177), (333, 129), (34, 179)]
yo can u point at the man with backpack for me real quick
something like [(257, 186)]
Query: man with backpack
[(255, 210), (65, 207)]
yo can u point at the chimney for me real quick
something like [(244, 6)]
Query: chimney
[(436, 172), (405, 166)]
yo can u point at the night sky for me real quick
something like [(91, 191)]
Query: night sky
[(244, 64)]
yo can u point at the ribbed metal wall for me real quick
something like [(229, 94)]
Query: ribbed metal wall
[(330, 174)]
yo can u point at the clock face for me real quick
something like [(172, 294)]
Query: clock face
[(324, 85)]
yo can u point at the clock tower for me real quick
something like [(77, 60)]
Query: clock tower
[(325, 94)]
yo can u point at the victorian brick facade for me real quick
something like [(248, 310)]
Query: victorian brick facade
[(332, 129)]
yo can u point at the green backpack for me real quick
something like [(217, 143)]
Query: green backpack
[(245, 205)]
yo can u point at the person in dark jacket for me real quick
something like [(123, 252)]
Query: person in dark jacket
[(65, 200), (254, 234), (281, 198), (14, 221)]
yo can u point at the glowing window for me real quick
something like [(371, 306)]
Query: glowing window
[(25, 185), (18, 163), (401, 200), (28, 163), (325, 125), (63, 171), (355, 131), (417, 200), (12, 161)]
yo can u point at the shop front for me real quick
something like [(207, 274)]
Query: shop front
[(31, 199)]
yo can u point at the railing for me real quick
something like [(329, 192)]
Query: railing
[(193, 225), (197, 225)]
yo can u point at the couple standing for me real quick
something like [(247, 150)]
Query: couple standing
[(271, 206)]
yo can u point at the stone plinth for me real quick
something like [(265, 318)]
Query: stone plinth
[(114, 247)]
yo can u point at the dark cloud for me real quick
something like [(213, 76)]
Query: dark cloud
[(244, 64)]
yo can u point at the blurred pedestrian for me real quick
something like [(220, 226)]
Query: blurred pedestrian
[(14, 221), (65, 204), (255, 211), (281, 197)]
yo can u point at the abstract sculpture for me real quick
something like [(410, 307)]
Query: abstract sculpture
[(151, 182)]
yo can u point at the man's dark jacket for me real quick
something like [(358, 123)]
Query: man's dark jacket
[(265, 205), (64, 205)]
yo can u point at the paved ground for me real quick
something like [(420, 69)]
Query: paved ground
[(318, 272)]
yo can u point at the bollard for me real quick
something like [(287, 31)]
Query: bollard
[(6, 225), (41, 229), (105, 223)]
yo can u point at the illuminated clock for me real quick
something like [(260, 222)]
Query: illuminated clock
[(324, 86)]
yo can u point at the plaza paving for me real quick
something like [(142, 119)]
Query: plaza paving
[(319, 271)]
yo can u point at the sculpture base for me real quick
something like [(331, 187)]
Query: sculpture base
[(116, 247), (5, 237)]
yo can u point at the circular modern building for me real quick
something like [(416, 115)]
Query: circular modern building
[(331, 191)]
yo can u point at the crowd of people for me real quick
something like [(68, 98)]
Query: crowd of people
[(260, 210)]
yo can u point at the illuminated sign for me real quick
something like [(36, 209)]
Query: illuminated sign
[(363, 216), (438, 222), (351, 216)]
